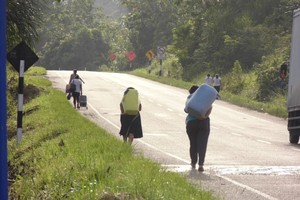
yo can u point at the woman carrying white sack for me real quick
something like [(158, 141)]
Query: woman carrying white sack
[(198, 129)]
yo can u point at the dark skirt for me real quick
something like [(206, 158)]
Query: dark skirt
[(131, 124)]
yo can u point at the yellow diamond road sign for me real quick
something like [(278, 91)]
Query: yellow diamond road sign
[(150, 54)]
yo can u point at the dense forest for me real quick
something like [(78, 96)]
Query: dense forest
[(216, 36)]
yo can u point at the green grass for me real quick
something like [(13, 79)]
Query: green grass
[(277, 107), (62, 155), (169, 81)]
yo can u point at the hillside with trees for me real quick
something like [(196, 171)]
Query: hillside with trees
[(244, 41)]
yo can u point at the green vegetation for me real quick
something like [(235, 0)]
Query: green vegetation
[(275, 106), (247, 40), (72, 36), (66, 156), (63, 155), (23, 19)]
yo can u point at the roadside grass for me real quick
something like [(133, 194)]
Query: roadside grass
[(63, 155), (142, 72), (276, 107)]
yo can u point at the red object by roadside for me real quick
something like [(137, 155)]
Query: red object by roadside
[(131, 56), (112, 56)]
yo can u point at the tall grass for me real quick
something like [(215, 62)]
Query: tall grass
[(246, 98), (62, 155)]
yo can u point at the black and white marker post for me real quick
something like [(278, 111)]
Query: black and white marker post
[(21, 58), (20, 101)]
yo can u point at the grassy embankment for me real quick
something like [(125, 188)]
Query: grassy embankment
[(277, 107), (63, 155)]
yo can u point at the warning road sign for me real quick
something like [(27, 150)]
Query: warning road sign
[(150, 54), (22, 52), (131, 56), (161, 52)]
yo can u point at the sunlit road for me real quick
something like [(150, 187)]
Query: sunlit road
[(248, 155)]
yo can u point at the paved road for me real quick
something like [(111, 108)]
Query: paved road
[(248, 156)]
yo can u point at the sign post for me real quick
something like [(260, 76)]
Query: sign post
[(160, 55), (150, 54), (3, 113), (21, 58), (131, 56)]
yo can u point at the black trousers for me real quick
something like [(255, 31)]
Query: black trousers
[(198, 132), (75, 96), (217, 88)]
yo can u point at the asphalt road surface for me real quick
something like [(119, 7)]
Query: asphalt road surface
[(248, 157)]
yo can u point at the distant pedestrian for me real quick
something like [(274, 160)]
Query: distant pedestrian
[(130, 106), (68, 86), (217, 82), (78, 90), (72, 76), (198, 131), (208, 80)]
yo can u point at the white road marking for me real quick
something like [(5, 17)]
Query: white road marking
[(214, 127), (263, 141), (169, 154), (248, 188), (169, 109), (237, 134), (257, 170), (235, 170), (186, 161), (155, 134), (296, 149), (159, 105), (242, 169), (108, 121)]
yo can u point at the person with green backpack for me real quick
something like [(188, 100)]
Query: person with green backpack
[(130, 106)]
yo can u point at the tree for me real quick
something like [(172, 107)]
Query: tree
[(220, 32), (150, 25), (23, 19), (72, 37), (236, 83)]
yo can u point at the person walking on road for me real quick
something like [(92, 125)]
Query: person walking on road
[(208, 80), (73, 75), (77, 92), (217, 82), (198, 131), (130, 106)]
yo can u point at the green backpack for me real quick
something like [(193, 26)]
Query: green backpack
[(131, 102)]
